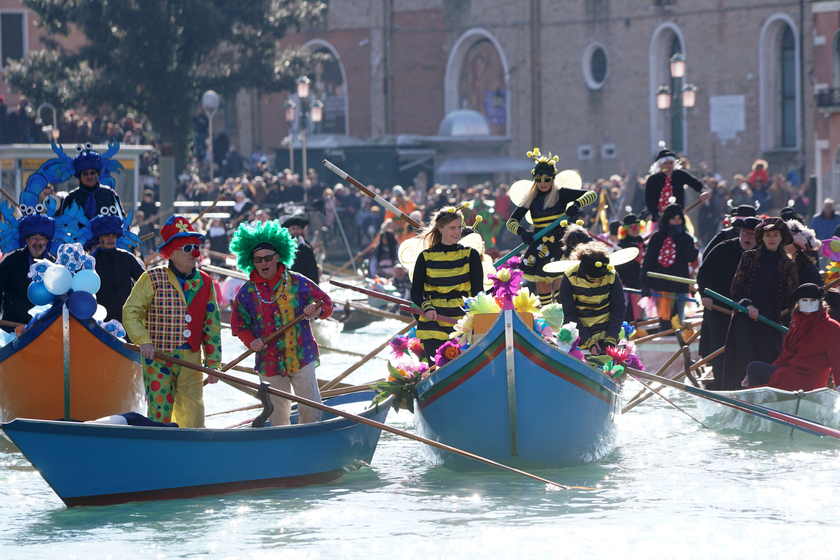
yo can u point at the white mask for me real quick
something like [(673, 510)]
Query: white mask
[(809, 305)]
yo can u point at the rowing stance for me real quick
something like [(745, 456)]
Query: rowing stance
[(272, 298)]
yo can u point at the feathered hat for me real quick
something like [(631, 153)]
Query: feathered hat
[(87, 158), (803, 237), (37, 224), (769, 224), (249, 239)]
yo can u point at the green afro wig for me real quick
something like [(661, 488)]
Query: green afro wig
[(246, 237)]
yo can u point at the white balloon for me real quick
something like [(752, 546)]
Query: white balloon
[(100, 314), (57, 279)]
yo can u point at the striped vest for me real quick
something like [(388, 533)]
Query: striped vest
[(447, 284), (592, 301)]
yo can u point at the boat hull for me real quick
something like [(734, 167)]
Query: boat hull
[(95, 464), (548, 411), (821, 406), (105, 378)]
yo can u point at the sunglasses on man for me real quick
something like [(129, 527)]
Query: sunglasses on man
[(190, 248), (267, 258)]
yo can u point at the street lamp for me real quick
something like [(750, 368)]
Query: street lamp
[(210, 103), (289, 110), (687, 95), (313, 111), (50, 131)]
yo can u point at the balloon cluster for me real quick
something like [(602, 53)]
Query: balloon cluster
[(74, 273)]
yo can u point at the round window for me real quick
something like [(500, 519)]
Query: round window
[(595, 66)]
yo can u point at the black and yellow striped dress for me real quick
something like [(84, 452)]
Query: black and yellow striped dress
[(550, 248), (443, 276), (597, 306)]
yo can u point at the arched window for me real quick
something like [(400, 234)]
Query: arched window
[(329, 86), (779, 85), (667, 125), (477, 79)]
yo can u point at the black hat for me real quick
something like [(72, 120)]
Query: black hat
[(807, 291), (631, 219), (788, 214), (663, 154), (614, 228), (744, 211), (750, 223), (769, 224), (295, 220)]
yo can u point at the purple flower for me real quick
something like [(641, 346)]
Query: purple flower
[(399, 345), (448, 352)]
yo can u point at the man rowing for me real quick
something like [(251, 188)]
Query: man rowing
[(271, 299)]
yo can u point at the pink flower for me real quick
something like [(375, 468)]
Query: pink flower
[(416, 347), (619, 355), (513, 262), (446, 353), (399, 345)]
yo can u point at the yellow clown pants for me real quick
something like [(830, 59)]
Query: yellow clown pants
[(174, 393)]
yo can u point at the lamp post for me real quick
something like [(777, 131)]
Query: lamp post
[(313, 111), (672, 99), (50, 131), (210, 103), (289, 110)]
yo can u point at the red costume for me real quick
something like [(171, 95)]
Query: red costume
[(810, 348)]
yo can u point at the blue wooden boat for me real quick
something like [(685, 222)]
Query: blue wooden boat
[(518, 400), (100, 464)]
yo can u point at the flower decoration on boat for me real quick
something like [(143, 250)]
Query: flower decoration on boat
[(526, 302), (463, 330), (613, 370), (399, 345), (401, 383), (553, 315), (37, 270), (506, 283), (482, 303), (114, 328), (513, 262), (618, 353), (627, 330), (448, 352), (416, 347)]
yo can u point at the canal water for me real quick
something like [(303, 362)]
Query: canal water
[(671, 489)]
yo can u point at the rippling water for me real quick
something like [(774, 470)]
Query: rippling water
[(671, 489)]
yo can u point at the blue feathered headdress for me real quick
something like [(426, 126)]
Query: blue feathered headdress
[(39, 224)]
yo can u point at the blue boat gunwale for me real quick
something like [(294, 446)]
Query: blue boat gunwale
[(198, 434), (31, 335), (491, 338)]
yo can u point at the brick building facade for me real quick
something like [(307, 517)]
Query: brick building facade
[(579, 77)]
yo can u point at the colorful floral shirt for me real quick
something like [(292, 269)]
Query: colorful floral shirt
[(262, 307)]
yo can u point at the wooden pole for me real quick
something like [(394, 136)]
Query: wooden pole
[(348, 416), (641, 397), (662, 369), (271, 337), (366, 359)]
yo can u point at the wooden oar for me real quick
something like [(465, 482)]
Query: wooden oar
[(584, 200), (372, 354), (742, 309), (391, 299), (642, 396), (797, 422), (672, 278), (666, 399), (654, 336), (239, 275), (379, 200), (374, 311), (663, 368), (349, 416), (352, 262), (271, 337)]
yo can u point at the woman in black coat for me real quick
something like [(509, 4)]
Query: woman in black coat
[(670, 251)]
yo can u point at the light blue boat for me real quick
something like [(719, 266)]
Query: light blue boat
[(99, 464), (518, 400)]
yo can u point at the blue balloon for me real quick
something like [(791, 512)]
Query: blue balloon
[(82, 305), (57, 279), (39, 294), (86, 281)]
